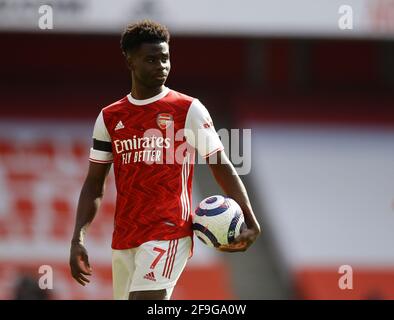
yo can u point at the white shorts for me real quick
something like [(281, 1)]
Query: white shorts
[(154, 265)]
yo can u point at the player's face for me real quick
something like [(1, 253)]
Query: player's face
[(151, 64)]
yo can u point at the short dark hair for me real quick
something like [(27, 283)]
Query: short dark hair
[(143, 31)]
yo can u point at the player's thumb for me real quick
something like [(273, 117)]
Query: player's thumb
[(88, 264), (241, 238), (85, 263)]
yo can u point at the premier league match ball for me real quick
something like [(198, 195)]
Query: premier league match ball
[(218, 221)]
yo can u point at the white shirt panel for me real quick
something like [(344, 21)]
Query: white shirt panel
[(200, 131), (100, 133)]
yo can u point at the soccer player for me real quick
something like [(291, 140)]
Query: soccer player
[(150, 136)]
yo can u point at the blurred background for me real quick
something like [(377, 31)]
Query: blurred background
[(313, 80)]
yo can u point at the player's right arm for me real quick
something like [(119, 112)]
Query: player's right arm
[(89, 201)]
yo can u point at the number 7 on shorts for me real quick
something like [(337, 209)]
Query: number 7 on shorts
[(161, 253)]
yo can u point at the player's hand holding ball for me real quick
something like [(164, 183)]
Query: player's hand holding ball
[(242, 242), (219, 222)]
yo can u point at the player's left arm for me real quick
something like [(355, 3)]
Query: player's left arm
[(232, 185)]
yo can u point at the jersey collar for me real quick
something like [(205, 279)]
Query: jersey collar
[(149, 100)]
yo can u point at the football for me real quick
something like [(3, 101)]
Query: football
[(218, 220)]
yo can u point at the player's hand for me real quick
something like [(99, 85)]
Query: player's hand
[(242, 242), (79, 263)]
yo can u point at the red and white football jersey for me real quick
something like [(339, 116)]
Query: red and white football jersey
[(152, 145)]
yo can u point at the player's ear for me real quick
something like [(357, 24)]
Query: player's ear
[(129, 61), (129, 57)]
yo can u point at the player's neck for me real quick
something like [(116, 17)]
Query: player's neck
[(142, 93)]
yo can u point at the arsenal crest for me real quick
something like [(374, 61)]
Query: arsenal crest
[(164, 120)]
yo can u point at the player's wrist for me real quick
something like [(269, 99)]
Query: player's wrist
[(252, 224), (78, 237), (255, 229), (76, 242)]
